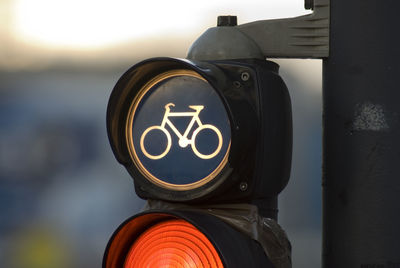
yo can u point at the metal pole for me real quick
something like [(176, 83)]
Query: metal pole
[(361, 120)]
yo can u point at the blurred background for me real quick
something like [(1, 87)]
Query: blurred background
[(62, 193)]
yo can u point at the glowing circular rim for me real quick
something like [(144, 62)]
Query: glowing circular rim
[(131, 148)]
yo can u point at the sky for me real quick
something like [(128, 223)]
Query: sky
[(36, 33)]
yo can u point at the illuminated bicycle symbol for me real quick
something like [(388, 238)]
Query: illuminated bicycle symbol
[(183, 139)]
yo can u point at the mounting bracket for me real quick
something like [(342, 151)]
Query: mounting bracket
[(299, 37)]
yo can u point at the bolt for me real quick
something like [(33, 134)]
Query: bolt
[(309, 4), (243, 186), (237, 84), (245, 76), (227, 21)]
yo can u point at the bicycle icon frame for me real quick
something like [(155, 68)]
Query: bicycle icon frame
[(183, 138)]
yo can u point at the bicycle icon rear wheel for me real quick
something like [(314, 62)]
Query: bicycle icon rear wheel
[(156, 129), (216, 151)]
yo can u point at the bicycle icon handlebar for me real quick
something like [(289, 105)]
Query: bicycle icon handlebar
[(183, 138)]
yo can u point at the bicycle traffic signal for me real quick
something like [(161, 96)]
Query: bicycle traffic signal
[(199, 137), (202, 132)]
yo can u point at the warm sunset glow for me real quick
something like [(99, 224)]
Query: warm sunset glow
[(100, 23), (93, 23)]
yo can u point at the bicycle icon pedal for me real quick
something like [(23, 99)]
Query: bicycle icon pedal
[(183, 139)]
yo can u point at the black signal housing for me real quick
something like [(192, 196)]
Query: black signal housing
[(258, 110)]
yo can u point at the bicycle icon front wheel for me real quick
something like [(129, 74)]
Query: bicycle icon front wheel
[(154, 130), (219, 146)]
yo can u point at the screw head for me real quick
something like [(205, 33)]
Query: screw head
[(243, 186), (237, 84), (245, 76)]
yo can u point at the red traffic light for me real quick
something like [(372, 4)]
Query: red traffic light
[(173, 243), (181, 238)]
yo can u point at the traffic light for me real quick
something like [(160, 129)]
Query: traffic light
[(202, 132), (208, 144)]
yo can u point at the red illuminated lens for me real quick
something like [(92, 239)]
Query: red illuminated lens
[(173, 244)]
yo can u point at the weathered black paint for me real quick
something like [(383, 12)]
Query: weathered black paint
[(361, 170)]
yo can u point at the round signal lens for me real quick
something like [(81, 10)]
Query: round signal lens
[(173, 244), (178, 131)]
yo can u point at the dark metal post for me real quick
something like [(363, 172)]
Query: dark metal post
[(361, 170)]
